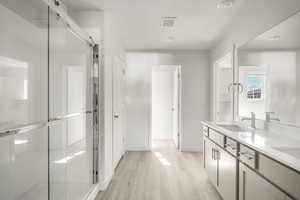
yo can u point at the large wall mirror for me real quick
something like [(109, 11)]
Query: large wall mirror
[(269, 71)]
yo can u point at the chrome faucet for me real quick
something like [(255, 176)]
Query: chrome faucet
[(269, 118), (252, 118)]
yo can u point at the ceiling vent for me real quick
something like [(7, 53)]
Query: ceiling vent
[(225, 4), (168, 22)]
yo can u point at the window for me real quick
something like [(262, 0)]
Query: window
[(255, 87)]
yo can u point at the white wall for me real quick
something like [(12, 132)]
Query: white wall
[(138, 101), (195, 95), (162, 103)]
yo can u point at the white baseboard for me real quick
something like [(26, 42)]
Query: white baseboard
[(99, 187), (137, 149), (103, 185), (93, 194), (191, 149)]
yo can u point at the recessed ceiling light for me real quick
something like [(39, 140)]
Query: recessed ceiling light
[(225, 4)]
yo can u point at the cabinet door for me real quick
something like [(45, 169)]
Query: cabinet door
[(210, 161), (252, 186), (227, 175)]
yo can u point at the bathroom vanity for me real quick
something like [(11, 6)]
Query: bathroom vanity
[(246, 164), (257, 82)]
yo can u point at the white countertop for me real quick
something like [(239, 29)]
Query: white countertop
[(267, 143)]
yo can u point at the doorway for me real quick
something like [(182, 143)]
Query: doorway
[(165, 105)]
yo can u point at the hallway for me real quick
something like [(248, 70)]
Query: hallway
[(160, 174)]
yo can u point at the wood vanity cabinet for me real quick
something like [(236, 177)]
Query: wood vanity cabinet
[(210, 161), (282, 176), (227, 184), (252, 186), (221, 169), (239, 172)]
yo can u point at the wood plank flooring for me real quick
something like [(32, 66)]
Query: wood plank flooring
[(160, 174)]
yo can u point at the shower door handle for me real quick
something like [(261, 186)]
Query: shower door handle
[(60, 118), (116, 116), (23, 129)]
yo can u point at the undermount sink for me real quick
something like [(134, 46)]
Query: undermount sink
[(232, 127), (293, 151)]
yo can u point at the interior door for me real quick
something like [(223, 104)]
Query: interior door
[(118, 109), (70, 105), (23, 100)]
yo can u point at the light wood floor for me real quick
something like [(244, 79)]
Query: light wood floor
[(160, 174)]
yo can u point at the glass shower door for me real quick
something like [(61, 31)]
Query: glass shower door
[(70, 105), (23, 100)]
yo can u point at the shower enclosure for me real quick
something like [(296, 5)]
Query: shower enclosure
[(49, 104)]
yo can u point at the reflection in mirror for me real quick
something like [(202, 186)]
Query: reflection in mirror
[(223, 89), (70, 142), (23, 62), (269, 70), (23, 99)]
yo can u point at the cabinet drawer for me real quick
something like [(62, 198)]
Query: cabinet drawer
[(205, 130), (217, 137), (248, 156), (231, 146), (285, 178)]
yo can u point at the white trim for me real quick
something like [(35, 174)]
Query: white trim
[(138, 149), (149, 138), (180, 108), (191, 149), (104, 184), (94, 193)]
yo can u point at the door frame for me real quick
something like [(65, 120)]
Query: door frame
[(179, 123)]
